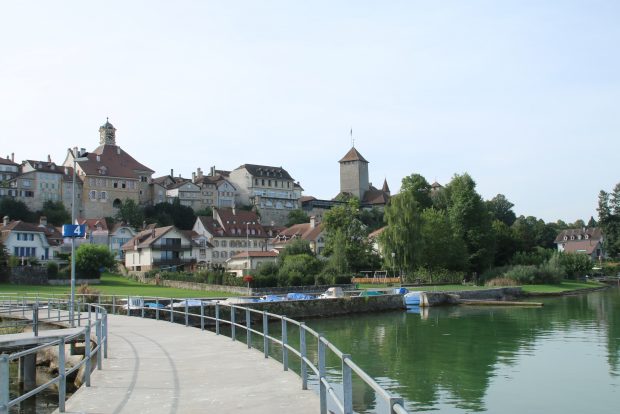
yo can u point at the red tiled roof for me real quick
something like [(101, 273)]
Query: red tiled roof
[(147, 237), (582, 246), (233, 225), (266, 171), (6, 161), (241, 255), (116, 161), (593, 233), (93, 223), (303, 231), (377, 232), (353, 155)]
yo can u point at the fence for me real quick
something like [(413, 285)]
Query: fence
[(56, 312), (239, 320)]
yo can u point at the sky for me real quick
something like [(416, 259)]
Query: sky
[(521, 94)]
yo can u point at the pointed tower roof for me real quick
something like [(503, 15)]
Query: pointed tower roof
[(386, 188), (353, 155)]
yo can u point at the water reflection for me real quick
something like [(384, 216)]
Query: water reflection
[(467, 359)]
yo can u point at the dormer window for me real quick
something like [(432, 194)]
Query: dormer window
[(587, 236), (579, 237), (572, 237), (565, 238)]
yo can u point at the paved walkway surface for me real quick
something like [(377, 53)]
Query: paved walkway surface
[(161, 367)]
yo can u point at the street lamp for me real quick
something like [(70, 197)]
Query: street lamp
[(247, 245), (77, 157)]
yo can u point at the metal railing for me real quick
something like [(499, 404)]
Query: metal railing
[(93, 317), (313, 364)]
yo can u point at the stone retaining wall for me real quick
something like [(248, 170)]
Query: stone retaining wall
[(451, 298)]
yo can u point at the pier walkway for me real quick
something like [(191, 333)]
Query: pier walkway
[(159, 367)]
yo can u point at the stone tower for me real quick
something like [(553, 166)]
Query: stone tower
[(107, 134), (354, 174)]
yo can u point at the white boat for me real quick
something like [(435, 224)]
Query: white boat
[(332, 293)]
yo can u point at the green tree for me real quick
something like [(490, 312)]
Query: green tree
[(295, 247), (347, 220), (298, 267), (441, 248), (506, 244), (91, 259), (420, 188), (471, 221), (403, 233), (167, 214), (130, 213), (55, 212), (373, 219), (609, 219), (501, 209), (297, 216), (15, 210), (205, 212), (337, 263)]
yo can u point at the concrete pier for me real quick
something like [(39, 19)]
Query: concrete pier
[(162, 367)]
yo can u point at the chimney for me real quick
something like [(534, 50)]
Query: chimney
[(171, 172), (153, 233), (66, 170), (194, 176), (82, 151), (199, 172), (13, 156), (98, 158), (234, 210), (42, 221), (118, 150), (212, 172), (312, 222), (143, 225), (5, 221), (49, 158)]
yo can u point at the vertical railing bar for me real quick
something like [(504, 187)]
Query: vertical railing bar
[(233, 331), (248, 327), (265, 334), (202, 316), (284, 344), (87, 367), (303, 352), (217, 318), (98, 329), (157, 308), (105, 335), (186, 313), (171, 309), (347, 385), (322, 371), (62, 383), (35, 319), (4, 382)]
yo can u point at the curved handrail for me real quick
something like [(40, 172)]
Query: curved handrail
[(96, 320), (161, 308)]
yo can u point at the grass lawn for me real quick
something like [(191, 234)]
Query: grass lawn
[(562, 287), (112, 284)]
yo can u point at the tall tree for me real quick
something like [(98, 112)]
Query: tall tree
[(130, 213), (15, 210), (297, 216), (420, 188), (501, 209), (471, 221), (55, 212), (441, 248), (403, 233), (609, 219)]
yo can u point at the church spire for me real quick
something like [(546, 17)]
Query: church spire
[(107, 133)]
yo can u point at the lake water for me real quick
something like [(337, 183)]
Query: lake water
[(561, 358)]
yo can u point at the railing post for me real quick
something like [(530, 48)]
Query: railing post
[(48, 309), (62, 383), (79, 313), (171, 310), (395, 400), (87, 367), (303, 351), (266, 334), (202, 316), (217, 318), (284, 344), (105, 335), (347, 385), (186, 314), (58, 308), (233, 331), (35, 319), (98, 329), (143, 307), (4, 383), (113, 304), (157, 308), (322, 387), (23, 307), (248, 327)]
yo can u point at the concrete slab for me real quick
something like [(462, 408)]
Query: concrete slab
[(160, 367)]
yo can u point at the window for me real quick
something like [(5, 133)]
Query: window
[(104, 196), (224, 255), (92, 195), (216, 254), (223, 243)]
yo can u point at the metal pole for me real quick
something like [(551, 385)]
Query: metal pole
[(128, 307), (35, 319), (113, 305), (347, 385), (79, 313), (98, 329), (202, 316), (217, 318), (186, 314), (233, 331), (87, 354), (284, 344), (303, 351), (62, 383), (105, 335), (171, 308), (322, 388), (395, 400), (265, 334), (248, 327), (4, 384), (157, 308)]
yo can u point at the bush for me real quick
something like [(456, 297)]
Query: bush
[(500, 282), (52, 269), (575, 265), (87, 294), (435, 276), (92, 259), (342, 280), (265, 281), (524, 275)]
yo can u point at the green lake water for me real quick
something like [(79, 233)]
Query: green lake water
[(561, 358)]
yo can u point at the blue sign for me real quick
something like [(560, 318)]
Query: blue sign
[(73, 230)]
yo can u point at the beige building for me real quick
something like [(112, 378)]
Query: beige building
[(311, 232), (166, 248), (271, 190), (244, 263), (109, 177)]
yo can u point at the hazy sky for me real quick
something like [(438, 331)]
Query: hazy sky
[(522, 94)]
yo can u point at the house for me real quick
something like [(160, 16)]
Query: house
[(160, 248), (217, 190), (96, 231), (584, 241), (374, 239), (120, 234), (231, 231), (271, 190), (26, 240), (109, 176), (9, 169), (240, 265), (311, 232)]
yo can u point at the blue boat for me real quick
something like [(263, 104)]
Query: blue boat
[(412, 299)]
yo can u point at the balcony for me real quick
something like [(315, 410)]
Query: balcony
[(172, 247), (173, 262)]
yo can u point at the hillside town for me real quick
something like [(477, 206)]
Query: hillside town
[(249, 206)]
